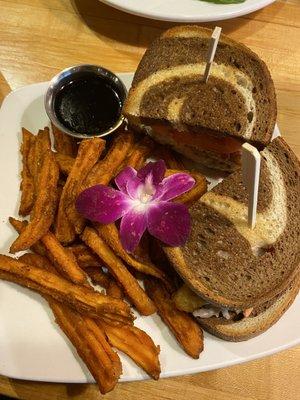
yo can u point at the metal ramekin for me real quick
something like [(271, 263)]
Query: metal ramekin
[(68, 75)]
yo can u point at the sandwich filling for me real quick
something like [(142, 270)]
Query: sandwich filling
[(187, 300), (209, 310), (223, 152), (204, 139)]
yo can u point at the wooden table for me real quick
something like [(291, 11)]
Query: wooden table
[(38, 38)]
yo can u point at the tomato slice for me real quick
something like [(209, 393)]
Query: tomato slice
[(203, 140)]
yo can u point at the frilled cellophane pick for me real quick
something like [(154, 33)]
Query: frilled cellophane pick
[(143, 203)]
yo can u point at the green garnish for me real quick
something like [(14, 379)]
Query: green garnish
[(224, 1)]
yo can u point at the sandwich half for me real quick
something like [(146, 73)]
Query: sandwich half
[(236, 270), (206, 122)]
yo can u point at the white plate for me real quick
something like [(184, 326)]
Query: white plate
[(187, 10), (32, 347)]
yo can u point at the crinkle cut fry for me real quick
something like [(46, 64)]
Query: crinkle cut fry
[(43, 212), (186, 330), (27, 182), (82, 299), (130, 285)]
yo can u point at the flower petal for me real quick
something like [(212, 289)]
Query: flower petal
[(103, 204), (134, 187), (156, 169), (132, 227), (169, 222), (173, 186), (125, 176)]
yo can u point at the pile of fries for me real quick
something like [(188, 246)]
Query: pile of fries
[(80, 268)]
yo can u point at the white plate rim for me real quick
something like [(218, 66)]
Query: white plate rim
[(191, 18)]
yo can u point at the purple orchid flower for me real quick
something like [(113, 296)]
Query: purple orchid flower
[(143, 202)]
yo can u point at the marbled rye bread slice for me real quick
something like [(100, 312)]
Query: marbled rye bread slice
[(231, 265)]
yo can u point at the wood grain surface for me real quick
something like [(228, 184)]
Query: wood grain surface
[(40, 37)]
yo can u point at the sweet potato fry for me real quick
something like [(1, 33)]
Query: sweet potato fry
[(187, 332), (113, 360), (110, 235), (64, 230), (88, 153), (98, 332), (43, 262), (84, 256), (130, 285), (140, 153), (111, 287), (196, 192), (105, 169), (64, 162), (64, 259), (81, 299), (37, 260), (36, 158), (92, 338), (61, 257), (19, 226), (137, 345), (42, 215), (31, 160), (63, 143), (27, 183), (103, 363), (37, 152), (171, 159)]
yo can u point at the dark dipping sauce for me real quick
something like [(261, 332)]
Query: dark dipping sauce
[(89, 105)]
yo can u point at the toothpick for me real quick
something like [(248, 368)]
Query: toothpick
[(211, 51), (251, 171)]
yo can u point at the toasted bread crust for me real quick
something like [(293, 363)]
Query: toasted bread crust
[(254, 325), (243, 279), (187, 46)]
